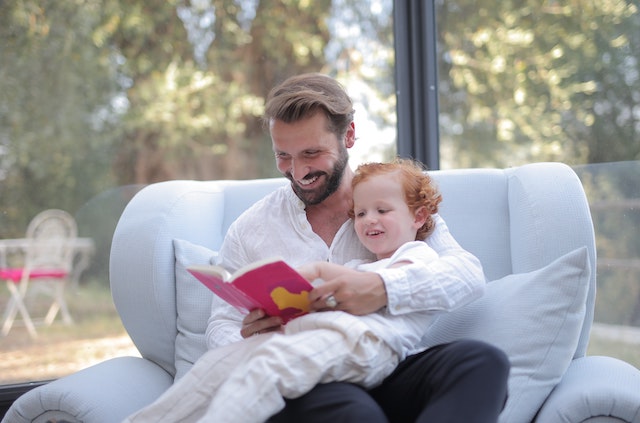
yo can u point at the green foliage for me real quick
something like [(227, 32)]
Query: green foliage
[(534, 81), (198, 116), (97, 93), (56, 128), (103, 93)]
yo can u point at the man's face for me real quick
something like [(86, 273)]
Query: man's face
[(310, 156)]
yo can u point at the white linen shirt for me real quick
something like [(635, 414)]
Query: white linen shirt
[(277, 225)]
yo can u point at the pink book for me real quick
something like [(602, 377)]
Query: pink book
[(270, 284)]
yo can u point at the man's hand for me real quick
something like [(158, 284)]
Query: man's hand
[(356, 292), (257, 322)]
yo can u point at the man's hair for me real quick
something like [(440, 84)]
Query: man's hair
[(419, 189), (302, 96)]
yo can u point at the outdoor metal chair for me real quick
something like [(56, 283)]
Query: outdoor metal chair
[(48, 259)]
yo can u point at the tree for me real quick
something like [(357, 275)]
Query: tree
[(531, 81), (56, 117), (194, 109), (98, 93)]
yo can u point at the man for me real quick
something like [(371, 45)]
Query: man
[(310, 119)]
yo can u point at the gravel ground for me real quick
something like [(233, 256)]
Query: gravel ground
[(55, 359)]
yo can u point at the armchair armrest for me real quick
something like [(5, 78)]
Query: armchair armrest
[(105, 393), (595, 387)]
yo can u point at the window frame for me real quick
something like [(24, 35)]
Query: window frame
[(414, 30)]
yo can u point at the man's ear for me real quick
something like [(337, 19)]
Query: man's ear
[(350, 136)]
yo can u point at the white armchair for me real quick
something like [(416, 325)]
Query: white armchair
[(530, 226)]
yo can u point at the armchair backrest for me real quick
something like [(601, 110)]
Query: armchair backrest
[(514, 220)]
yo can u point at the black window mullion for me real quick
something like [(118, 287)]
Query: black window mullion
[(417, 81)]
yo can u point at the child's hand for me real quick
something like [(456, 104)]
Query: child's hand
[(309, 271), (355, 292)]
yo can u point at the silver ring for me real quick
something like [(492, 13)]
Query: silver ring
[(331, 301)]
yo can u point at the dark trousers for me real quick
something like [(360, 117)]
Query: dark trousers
[(463, 382)]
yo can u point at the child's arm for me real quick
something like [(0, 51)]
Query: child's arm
[(323, 270), (327, 271)]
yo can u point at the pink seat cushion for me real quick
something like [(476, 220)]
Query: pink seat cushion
[(15, 273)]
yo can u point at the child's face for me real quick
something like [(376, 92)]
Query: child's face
[(382, 219)]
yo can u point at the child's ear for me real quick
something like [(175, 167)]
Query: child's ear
[(420, 217)]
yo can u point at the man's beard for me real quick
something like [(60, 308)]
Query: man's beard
[(331, 185)]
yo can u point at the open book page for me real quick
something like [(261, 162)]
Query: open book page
[(251, 266), (215, 278)]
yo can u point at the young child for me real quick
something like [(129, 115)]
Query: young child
[(392, 208), (393, 204)]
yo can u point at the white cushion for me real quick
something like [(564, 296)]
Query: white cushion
[(535, 318), (193, 303)]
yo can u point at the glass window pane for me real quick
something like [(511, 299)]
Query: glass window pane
[(101, 98), (538, 81), (555, 81)]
